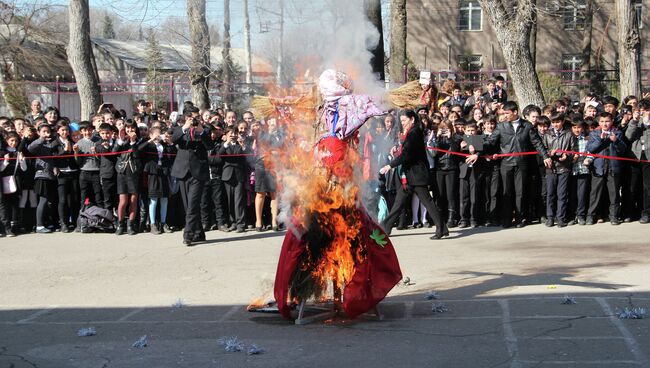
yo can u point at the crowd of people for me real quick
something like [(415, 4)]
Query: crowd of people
[(489, 164), (494, 164)]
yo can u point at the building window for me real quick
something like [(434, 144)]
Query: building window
[(470, 67), (571, 64), (638, 12), (574, 15), (470, 16)]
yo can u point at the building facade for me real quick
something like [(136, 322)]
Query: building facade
[(456, 35)]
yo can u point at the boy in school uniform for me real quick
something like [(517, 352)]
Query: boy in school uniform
[(89, 177), (638, 134), (107, 173), (557, 140), (580, 176), (607, 141), (471, 172)]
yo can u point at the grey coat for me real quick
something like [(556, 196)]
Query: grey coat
[(638, 134)]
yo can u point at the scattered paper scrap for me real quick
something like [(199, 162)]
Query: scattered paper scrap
[(141, 342), (178, 304), (439, 308), (88, 331), (632, 313), (569, 300), (551, 286), (231, 344), (431, 295), (255, 350)]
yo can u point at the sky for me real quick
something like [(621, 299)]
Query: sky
[(261, 12)]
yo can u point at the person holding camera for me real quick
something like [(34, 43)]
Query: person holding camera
[(234, 175), (191, 169)]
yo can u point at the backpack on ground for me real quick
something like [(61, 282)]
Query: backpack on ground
[(94, 219)]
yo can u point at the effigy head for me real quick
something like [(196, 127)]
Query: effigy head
[(333, 84)]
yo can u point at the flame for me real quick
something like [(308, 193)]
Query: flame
[(318, 198)]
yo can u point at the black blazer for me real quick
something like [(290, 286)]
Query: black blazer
[(234, 167), (525, 139), (107, 162), (414, 158), (192, 156)]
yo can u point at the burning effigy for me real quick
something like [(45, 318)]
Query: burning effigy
[(333, 249)]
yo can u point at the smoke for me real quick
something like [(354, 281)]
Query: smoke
[(341, 40)]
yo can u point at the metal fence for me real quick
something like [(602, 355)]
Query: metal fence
[(169, 94)]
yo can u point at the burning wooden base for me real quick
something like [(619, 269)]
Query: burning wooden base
[(310, 313)]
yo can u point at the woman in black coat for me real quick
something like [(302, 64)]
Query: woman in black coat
[(413, 158)]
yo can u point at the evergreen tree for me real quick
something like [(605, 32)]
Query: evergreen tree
[(108, 31)]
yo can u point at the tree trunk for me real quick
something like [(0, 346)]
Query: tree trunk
[(628, 48), (372, 9), (81, 57), (533, 35), (247, 44), (397, 41), (513, 34), (225, 54), (586, 38), (200, 68)]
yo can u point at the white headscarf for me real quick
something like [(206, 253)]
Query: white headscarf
[(334, 84)]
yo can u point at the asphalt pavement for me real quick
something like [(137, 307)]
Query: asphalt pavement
[(532, 297)]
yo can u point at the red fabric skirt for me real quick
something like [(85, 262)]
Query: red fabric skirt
[(373, 278)]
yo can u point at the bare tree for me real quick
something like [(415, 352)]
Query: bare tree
[(533, 36), (628, 48), (372, 9), (227, 63), (200, 42), (512, 28), (587, 35), (397, 41), (247, 44), (81, 58)]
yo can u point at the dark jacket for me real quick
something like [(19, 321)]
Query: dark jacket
[(149, 157), (68, 163), (639, 135), (214, 159), (106, 162), (525, 139), (44, 166), (192, 156), (234, 167), (413, 158), (604, 146), (447, 161), (465, 169), (129, 160), (563, 142)]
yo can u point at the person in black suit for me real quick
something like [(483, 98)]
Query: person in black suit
[(413, 159), (234, 175), (191, 169), (515, 135)]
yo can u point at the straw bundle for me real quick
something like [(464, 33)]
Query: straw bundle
[(263, 106), (267, 106), (406, 96)]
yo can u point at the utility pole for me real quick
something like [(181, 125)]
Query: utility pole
[(247, 44), (280, 75)]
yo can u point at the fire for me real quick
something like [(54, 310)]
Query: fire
[(322, 197)]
